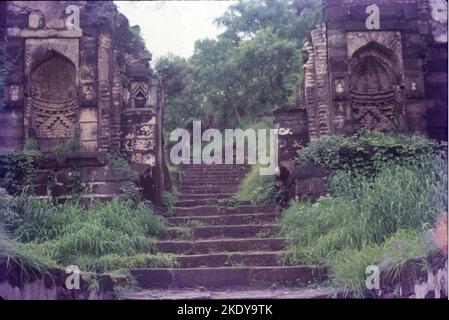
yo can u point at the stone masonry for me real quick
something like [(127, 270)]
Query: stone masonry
[(77, 71)]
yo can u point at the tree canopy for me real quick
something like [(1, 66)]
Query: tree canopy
[(254, 64)]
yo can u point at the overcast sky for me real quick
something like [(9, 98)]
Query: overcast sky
[(173, 26)]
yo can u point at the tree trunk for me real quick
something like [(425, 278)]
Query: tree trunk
[(234, 107)]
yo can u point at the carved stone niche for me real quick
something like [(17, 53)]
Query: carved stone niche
[(139, 95), (52, 107), (376, 88)]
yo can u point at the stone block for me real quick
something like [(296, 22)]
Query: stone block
[(416, 109), (410, 11), (42, 176), (17, 20), (336, 14), (337, 65), (311, 188), (59, 190), (110, 187), (40, 190)]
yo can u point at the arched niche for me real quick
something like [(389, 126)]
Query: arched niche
[(375, 88), (53, 102)]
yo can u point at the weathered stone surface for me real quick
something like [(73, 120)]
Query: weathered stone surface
[(407, 40), (110, 187), (66, 84)]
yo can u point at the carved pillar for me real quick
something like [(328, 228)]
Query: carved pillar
[(104, 95)]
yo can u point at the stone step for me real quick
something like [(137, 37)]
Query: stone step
[(222, 232), (214, 210), (211, 167), (208, 183), (223, 277), (204, 202), (215, 173), (202, 196), (221, 245), (216, 190), (256, 258), (237, 292), (227, 219)]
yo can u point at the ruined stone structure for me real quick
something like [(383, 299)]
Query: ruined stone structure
[(380, 65), (77, 71)]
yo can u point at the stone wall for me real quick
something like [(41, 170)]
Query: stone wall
[(379, 65), (15, 284), (77, 71)]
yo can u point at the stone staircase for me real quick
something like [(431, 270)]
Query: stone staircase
[(220, 247)]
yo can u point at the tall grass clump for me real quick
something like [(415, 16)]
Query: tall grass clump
[(15, 254), (70, 233), (366, 217), (257, 188)]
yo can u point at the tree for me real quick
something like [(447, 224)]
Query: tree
[(252, 66)]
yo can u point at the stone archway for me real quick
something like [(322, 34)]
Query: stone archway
[(53, 101), (376, 88)]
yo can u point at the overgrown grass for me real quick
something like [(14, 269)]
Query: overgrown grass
[(30, 263), (257, 188), (119, 233), (356, 226), (365, 152), (169, 200)]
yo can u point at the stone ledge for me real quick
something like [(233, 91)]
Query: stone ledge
[(44, 33)]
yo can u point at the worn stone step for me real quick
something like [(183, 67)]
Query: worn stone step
[(221, 245), (256, 258), (204, 202), (202, 196), (214, 210), (224, 231), (215, 173), (222, 167), (223, 277), (208, 175), (209, 183), (237, 292), (208, 190), (227, 219)]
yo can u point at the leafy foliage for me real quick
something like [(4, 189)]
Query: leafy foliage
[(365, 152), (117, 161), (72, 234), (71, 145), (169, 201), (252, 66), (20, 168), (350, 230), (259, 189)]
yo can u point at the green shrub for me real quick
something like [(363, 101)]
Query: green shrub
[(365, 211), (31, 262), (72, 234), (30, 145), (169, 200), (368, 221), (257, 188), (348, 267), (365, 152), (30, 219), (20, 168), (71, 145), (117, 161)]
